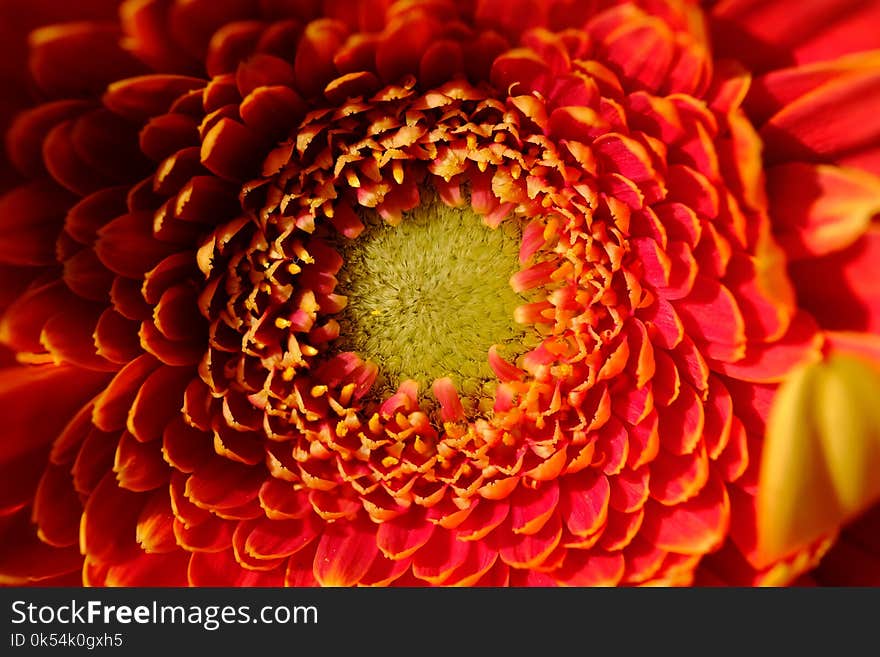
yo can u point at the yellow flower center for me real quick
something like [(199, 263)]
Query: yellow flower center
[(428, 298)]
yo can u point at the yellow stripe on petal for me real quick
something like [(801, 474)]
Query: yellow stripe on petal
[(821, 457)]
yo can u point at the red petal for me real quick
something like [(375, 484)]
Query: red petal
[(682, 422), (384, 572), (300, 567), (710, 314), (643, 560), (440, 556), (69, 337), (662, 323), (842, 289), (25, 559), (26, 135), (480, 559), (184, 447), (155, 525), (153, 570), (696, 527), (766, 35), (837, 119), (591, 568), (57, 507), (140, 98), (629, 489), (94, 460), (113, 404), (221, 569), (27, 395), (531, 508), (530, 551), (402, 536), (583, 502), (232, 151), (221, 484), (487, 516), (79, 58), (109, 522), (86, 217), (345, 553), (313, 65), (280, 500), (31, 217), (675, 479), (280, 538), (765, 363), (126, 245), (818, 209), (139, 466), (158, 401)]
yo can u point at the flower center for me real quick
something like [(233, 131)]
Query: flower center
[(428, 298)]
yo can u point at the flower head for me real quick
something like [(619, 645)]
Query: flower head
[(448, 293)]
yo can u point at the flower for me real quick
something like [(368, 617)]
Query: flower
[(447, 293)]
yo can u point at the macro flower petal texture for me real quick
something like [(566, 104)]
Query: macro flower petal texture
[(440, 293)]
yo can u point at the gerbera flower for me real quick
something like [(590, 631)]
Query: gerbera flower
[(449, 293)]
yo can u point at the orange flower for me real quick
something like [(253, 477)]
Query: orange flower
[(441, 293)]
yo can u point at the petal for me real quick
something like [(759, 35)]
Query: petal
[(584, 501), (155, 525), (25, 559), (74, 59), (440, 557), (402, 536), (127, 246), (280, 538), (529, 551), (695, 527), (591, 568), (221, 569), (140, 98), (765, 35), (531, 508), (139, 466), (158, 401), (27, 394), (168, 569), (109, 522), (818, 209), (834, 120), (772, 362), (710, 313), (842, 290), (31, 217), (57, 507), (345, 553)]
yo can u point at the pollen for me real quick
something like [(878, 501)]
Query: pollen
[(430, 296)]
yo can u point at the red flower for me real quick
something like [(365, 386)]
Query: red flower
[(449, 293)]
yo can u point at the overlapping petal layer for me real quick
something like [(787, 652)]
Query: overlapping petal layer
[(178, 242)]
